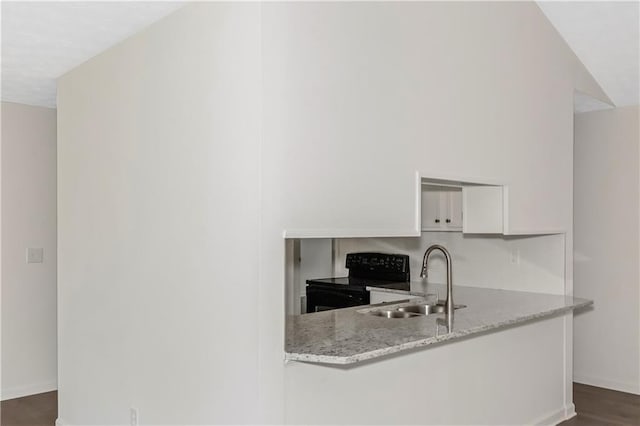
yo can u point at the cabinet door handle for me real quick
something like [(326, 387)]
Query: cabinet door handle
[(448, 221), (437, 220)]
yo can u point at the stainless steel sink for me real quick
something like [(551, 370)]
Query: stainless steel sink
[(411, 311), (427, 309), (393, 314), (423, 309)]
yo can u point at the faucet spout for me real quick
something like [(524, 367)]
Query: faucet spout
[(423, 274)]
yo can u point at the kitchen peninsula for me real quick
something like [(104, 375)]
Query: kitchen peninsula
[(351, 335)]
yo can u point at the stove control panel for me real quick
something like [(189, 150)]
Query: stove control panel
[(382, 266)]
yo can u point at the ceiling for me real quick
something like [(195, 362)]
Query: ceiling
[(43, 40), (605, 36)]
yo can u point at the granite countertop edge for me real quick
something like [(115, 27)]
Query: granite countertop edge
[(425, 341)]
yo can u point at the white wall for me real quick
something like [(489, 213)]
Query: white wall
[(28, 220), (533, 263), (187, 151), (158, 224), (607, 338), (316, 261)]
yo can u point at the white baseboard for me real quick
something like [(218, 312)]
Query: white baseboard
[(628, 387), (555, 417), (549, 419), (20, 391)]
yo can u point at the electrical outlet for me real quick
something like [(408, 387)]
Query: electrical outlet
[(133, 416), (35, 255)]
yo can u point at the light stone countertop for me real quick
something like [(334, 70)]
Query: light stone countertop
[(347, 336)]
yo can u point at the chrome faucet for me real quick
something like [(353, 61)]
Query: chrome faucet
[(423, 274)]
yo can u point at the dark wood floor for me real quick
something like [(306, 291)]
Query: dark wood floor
[(599, 407), (34, 410), (595, 407)]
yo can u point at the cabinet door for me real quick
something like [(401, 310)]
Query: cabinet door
[(484, 209), (441, 208), (431, 208), (453, 219)]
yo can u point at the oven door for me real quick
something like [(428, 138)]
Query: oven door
[(324, 298)]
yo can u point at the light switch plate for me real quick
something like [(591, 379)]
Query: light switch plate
[(35, 255)]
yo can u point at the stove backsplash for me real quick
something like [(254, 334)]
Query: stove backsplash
[(526, 263)]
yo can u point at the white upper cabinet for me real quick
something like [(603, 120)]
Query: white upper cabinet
[(485, 209), (441, 208), (467, 207)]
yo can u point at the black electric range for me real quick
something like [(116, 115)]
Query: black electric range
[(365, 270)]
